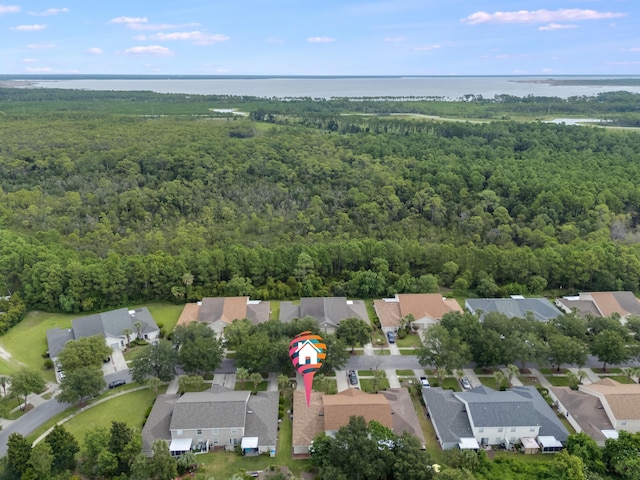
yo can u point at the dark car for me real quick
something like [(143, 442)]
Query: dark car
[(353, 377), (391, 337), (117, 383)]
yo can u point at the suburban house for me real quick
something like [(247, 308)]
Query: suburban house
[(427, 309), (218, 417), (517, 306), (601, 304), (114, 326), (483, 416), (327, 311), (586, 413), (219, 312), (392, 408), (620, 401)]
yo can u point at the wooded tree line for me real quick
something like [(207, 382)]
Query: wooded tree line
[(99, 209)]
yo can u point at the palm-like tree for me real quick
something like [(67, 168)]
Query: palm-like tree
[(127, 333), (154, 383), (378, 377), (631, 372), (255, 378), (500, 377), (441, 373), (512, 372), (573, 380), (581, 375), (283, 383), (242, 375), (4, 383)]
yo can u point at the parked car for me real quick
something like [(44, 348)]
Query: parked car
[(61, 375), (117, 383), (425, 382), (353, 377), (466, 384), (391, 337)]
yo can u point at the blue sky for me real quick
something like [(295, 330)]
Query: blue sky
[(329, 37)]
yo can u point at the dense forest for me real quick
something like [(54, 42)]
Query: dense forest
[(108, 198)]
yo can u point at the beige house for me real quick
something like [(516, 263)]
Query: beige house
[(218, 312), (427, 309), (327, 413), (601, 304), (621, 402)]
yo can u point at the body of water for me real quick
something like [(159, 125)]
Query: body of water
[(328, 87)]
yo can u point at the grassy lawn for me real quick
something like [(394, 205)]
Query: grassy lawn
[(619, 378), (411, 340), (449, 383), (129, 408), (367, 384), (433, 447), (378, 338), (226, 464), (370, 310), (558, 381), (405, 373), (600, 371), (553, 371), (490, 382), (134, 352), (407, 351), (365, 373), (166, 314), (27, 341)]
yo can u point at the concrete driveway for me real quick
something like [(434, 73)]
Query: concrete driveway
[(341, 380), (116, 364)]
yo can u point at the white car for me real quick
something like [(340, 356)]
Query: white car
[(466, 384), (425, 382)]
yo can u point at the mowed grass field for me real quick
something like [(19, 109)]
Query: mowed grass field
[(129, 408), (27, 341)]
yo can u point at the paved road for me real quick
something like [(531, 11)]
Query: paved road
[(30, 421)]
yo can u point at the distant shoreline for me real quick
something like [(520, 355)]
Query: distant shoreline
[(604, 82)]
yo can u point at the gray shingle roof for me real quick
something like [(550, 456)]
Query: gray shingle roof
[(628, 301), (215, 408), (541, 308), (550, 424), (448, 414), (113, 323), (262, 422), (57, 339), (325, 310), (157, 425)]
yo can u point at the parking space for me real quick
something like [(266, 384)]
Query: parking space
[(341, 380), (116, 363)]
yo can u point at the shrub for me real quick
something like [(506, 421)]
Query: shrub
[(48, 364)]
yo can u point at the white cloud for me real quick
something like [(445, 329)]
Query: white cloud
[(50, 11), (29, 28), (9, 9), (41, 46), (199, 38), (556, 26), (426, 48), (539, 16), (29, 60), (320, 39), (140, 38), (94, 51), (127, 20), (148, 50), (395, 39), (158, 26), (38, 69)]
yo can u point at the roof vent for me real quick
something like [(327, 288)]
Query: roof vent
[(249, 411), (131, 312)]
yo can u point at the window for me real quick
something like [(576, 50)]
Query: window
[(179, 432), (500, 429), (199, 431), (481, 429), (498, 439), (532, 429), (234, 431), (214, 431), (513, 429), (623, 423)]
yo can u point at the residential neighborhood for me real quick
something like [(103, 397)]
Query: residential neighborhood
[(382, 381)]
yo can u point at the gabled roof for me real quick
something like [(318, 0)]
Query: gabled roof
[(420, 305), (403, 413), (448, 414), (623, 399), (215, 408), (327, 311), (491, 408), (307, 421), (454, 413), (340, 407), (228, 309), (262, 418), (587, 410), (603, 304), (541, 308), (157, 425), (107, 324)]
